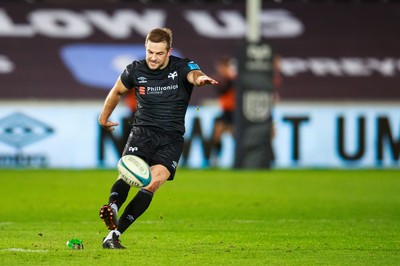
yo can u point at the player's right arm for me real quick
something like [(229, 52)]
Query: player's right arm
[(198, 78), (110, 103)]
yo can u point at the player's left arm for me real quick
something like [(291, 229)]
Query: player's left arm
[(198, 78)]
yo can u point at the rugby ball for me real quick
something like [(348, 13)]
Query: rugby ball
[(134, 171)]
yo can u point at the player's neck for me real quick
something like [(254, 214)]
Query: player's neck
[(165, 63)]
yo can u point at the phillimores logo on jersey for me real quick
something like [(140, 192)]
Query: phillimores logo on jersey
[(170, 87), (161, 89)]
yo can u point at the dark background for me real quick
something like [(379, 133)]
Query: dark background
[(334, 30)]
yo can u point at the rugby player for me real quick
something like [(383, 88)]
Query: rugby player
[(163, 84)]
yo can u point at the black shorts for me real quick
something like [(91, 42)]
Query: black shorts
[(155, 147)]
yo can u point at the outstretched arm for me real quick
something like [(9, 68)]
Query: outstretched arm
[(198, 78), (110, 103)]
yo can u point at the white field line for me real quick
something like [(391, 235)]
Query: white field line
[(24, 250)]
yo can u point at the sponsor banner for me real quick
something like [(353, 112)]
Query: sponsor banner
[(76, 51), (337, 135), (67, 135), (54, 134)]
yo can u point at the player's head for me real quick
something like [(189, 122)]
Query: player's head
[(158, 48)]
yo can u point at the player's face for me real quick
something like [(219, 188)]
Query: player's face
[(157, 55)]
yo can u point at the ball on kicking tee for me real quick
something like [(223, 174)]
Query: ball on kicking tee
[(134, 171)]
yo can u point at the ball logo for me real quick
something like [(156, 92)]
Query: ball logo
[(140, 167), (134, 171)]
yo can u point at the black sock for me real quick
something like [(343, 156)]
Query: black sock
[(119, 192), (135, 208)]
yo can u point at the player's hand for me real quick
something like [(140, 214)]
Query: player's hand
[(204, 80), (108, 125)]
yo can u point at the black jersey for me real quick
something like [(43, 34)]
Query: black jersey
[(162, 95)]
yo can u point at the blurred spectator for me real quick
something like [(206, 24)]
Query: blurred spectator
[(226, 73)]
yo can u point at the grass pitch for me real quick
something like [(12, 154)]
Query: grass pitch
[(207, 217)]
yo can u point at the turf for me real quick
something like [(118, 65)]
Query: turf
[(207, 217)]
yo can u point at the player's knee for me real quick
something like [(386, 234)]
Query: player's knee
[(159, 174)]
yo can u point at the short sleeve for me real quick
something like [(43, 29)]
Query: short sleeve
[(188, 66), (193, 66), (127, 77)]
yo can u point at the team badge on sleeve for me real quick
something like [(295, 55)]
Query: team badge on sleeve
[(193, 66)]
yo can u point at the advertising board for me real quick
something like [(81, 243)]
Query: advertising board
[(67, 135)]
